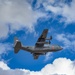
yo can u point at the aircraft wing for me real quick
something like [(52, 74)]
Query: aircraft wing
[(42, 38)]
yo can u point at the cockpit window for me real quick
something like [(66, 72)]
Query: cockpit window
[(58, 46)]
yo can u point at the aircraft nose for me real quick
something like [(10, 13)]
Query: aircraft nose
[(61, 48)]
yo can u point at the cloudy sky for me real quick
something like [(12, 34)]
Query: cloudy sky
[(26, 19)]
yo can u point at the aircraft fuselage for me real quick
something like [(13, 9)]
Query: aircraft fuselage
[(33, 49), (40, 47)]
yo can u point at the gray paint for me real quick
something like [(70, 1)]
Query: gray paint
[(39, 48)]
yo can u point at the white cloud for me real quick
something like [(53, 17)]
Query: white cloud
[(18, 14), (4, 30), (60, 66), (68, 40), (59, 7), (4, 48), (48, 56), (4, 66), (15, 15)]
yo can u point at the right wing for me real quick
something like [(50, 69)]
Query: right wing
[(42, 38)]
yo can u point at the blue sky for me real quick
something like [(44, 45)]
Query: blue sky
[(26, 19)]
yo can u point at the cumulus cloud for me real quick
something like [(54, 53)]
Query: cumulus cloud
[(60, 66), (48, 56), (68, 40), (4, 30), (3, 66), (4, 48), (15, 15), (60, 7)]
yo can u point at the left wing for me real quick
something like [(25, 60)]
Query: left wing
[(41, 39)]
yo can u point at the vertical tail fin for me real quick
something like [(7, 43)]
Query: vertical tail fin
[(17, 45)]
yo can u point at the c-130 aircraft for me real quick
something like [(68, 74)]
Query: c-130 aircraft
[(39, 48)]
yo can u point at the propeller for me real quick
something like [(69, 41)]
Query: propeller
[(49, 42), (50, 37)]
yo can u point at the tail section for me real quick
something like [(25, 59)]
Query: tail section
[(17, 45)]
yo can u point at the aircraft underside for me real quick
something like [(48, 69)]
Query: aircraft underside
[(36, 55), (39, 48)]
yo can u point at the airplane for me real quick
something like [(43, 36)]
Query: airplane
[(40, 47)]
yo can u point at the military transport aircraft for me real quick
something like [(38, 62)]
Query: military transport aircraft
[(40, 48)]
